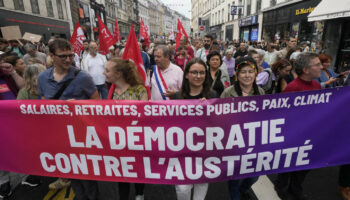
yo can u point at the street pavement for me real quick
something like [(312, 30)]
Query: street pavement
[(320, 184)]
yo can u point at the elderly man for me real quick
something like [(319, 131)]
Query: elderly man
[(33, 53), (167, 71), (308, 67), (95, 64)]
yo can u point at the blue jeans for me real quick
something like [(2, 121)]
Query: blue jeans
[(102, 91), (236, 187)]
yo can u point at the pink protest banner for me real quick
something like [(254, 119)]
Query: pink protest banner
[(175, 142)]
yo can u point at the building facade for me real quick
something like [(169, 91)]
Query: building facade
[(44, 17)]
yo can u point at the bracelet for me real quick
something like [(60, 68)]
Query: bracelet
[(13, 72)]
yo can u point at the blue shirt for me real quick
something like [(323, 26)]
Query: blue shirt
[(81, 87), (265, 65), (145, 60), (323, 79)]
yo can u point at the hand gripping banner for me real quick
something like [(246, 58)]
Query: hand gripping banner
[(176, 142)]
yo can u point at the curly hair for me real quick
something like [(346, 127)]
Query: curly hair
[(30, 76), (128, 70), (279, 65)]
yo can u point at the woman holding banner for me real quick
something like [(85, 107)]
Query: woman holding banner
[(195, 85), (245, 85), (127, 85)]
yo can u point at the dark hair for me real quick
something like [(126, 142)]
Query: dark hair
[(128, 70), (209, 36), (185, 88), (303, 61), (240, 63), (86, 40), (324, 57), (3, 41), (278, 65), (291, 51), (60, 44), (12, 60), (211, 54)]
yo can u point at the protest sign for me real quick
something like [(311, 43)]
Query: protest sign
[(11, 32), (32, 37), (176, 141)]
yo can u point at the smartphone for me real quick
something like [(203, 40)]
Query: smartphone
[(340, 76)]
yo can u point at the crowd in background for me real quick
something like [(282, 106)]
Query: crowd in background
[(197, 69)]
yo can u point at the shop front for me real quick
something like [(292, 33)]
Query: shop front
[(249, 28), (46, 27), (335, 20), (229, 32), (291, 21)]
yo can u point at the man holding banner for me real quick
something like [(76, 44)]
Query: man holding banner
[(308, 67), (166, 78), (63, 81)]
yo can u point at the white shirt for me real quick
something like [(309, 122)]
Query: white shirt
[(96, 67)]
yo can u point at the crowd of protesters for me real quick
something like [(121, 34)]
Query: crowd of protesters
[(200, 69)]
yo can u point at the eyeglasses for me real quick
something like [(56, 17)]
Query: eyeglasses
[(195, 73), (64, 56)]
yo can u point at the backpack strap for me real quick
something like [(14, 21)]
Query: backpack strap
[(65, 85)]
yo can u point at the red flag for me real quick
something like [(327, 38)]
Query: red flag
[(144, 34), (133, 53), (180, 32), (116, 33), (77, 39), (105, 37)]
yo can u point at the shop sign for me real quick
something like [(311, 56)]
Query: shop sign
[(303, 11), (248, 20), (254, 34)]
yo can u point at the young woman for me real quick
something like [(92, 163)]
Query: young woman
[(245, 85), (127, 85), (218, 78), (30, 90), (280, 69), (195, 85), (17, 63)]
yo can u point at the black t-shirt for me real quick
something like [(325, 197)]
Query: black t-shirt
[(177, 95), (240, 53), (218, 85)]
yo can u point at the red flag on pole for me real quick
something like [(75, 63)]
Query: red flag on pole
[(133, 53), (116, 33), (180, 32), (105, 37), (144, 33), (77, 39)]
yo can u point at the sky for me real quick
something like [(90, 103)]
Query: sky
[(182, 6)]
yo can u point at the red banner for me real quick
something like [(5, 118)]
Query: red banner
[(116, 33), (105, 37), (77, 39)]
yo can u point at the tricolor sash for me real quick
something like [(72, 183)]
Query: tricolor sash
[(160, 82)]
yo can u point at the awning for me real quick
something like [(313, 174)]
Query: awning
[(330, 9)]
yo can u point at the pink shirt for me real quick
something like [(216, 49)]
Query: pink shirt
[(173, 78)]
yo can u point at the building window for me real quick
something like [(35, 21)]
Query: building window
[(272, 2), (1, 3), (258, 6), (35, 6), (49, 8), (59, 9), (18, 4), (249, 7)]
